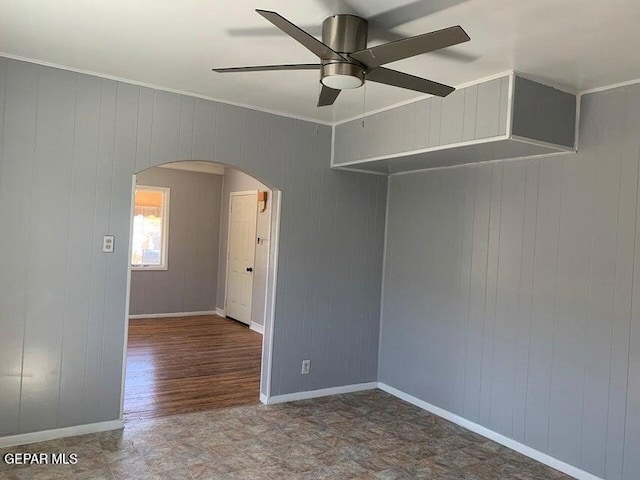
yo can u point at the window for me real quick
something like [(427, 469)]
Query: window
[(150, 228)]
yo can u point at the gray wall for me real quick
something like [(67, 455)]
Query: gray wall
[(543, 113), (70, 144), (511, 293), (237, 181), (190, 283)]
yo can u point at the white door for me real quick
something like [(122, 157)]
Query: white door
[(241, 253)]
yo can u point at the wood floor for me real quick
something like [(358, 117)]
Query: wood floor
[(188, 364)]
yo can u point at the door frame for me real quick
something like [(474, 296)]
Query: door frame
[(270, 300), (226, 273)]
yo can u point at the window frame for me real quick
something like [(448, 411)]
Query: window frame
[(164, 254)]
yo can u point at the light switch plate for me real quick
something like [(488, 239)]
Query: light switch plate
[(108, 243)]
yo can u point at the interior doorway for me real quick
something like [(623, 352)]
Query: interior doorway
[(203, 269)]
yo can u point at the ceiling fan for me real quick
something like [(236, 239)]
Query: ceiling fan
[(347, 63)]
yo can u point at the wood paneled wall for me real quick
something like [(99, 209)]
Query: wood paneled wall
[(511, 293), (70, 144), (471, 113)]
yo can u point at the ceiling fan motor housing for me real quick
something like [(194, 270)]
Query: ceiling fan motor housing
[(343, 34)]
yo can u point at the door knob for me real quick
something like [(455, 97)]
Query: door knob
[(249, 269)]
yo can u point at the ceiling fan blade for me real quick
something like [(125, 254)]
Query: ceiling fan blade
[(410, 82), (270, 31), (269, 68), (295, 32), (327, 96), (453, 54), (409, 47)]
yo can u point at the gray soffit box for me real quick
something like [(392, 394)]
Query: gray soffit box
[(502, 118)]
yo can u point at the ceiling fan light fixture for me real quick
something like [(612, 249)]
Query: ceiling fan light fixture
[(342, 76), (341, 82)]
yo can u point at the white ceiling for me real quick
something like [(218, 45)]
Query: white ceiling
[(172, 44)]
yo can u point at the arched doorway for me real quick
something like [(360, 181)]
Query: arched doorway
[(159, 262)]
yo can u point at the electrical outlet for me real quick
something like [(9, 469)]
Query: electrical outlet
[(108, 244), (306, 366)]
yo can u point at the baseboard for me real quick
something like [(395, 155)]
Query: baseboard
[(35, 437), (256, 327), (491, 435), (220, 312), (177, 314), (324, 392)]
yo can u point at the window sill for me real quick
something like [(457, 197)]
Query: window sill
[(151, 268)]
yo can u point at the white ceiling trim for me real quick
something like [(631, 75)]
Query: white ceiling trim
[(609, 87), (163, 89)]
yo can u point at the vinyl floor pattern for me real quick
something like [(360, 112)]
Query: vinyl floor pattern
[(364, 435)]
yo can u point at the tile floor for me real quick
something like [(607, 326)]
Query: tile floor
[(365, 435)]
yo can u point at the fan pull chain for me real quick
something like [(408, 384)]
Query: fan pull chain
[(364, 102)]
